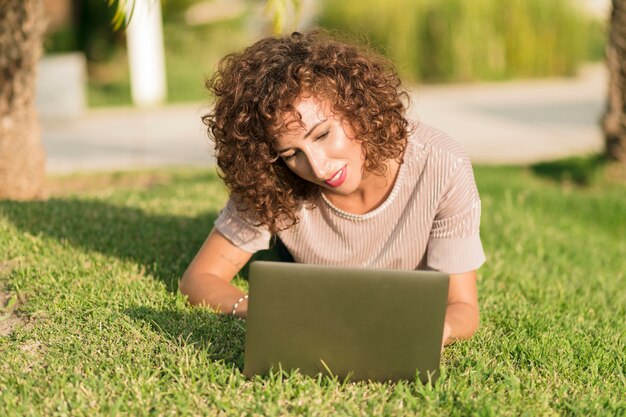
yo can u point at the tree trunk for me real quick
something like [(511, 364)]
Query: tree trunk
[(614, 122), (22, 156)]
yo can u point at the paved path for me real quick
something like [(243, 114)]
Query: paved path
[(514, 122)]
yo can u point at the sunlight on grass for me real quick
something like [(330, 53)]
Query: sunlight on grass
[(106, 333)]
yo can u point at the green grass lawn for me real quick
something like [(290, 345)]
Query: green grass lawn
[(100, 329)]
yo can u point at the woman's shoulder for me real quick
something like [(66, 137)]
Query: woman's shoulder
[(427, 142)]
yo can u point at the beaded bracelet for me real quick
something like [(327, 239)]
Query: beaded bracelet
[(245, 297)]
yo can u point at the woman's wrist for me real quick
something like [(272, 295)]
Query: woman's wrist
[(237, 309), (447, 333)]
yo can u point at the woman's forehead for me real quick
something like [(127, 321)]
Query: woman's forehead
[(307, 112)]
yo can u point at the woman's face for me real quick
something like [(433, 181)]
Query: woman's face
[(321, 149)]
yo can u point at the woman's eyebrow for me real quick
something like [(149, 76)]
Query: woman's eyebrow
[(306, 135), (313, 128)]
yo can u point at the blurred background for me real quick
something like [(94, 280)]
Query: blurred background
[(516, 81), (431, 41)]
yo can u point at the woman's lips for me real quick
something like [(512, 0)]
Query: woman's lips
[(338, 178)]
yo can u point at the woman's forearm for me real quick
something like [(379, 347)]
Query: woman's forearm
[(209, 289)]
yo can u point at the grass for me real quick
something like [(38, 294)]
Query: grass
[(93, 272)]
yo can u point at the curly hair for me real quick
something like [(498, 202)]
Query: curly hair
[(253, 91)]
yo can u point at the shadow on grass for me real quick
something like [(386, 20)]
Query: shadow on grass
[(163, 244), (221, 336), (581, 171)]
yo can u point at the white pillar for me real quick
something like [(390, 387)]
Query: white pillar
[(146, 57)]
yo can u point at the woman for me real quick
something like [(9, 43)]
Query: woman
[(313, 144)]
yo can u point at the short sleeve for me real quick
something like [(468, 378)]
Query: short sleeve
[(454, 244), (241, 232)]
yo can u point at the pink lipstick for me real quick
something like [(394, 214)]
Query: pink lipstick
[(339, 177)]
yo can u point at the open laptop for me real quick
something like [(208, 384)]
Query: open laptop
[(359, 324)]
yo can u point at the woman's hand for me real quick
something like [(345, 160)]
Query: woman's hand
[(446, 335), (462, 313)]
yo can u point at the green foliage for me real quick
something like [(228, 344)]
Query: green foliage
[(459, 40), (429, 40), (122, 9), (191, 55), (191, 51), (174, 10), (279, 12), (62, 40), (95, 35), (109, 93), (596, 41), (106, 333), (90, 32)]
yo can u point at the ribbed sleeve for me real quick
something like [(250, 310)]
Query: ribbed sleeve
[(454, 245), (457, 255), (240, 232)]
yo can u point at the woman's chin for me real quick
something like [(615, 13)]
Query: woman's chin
[(343, 190)]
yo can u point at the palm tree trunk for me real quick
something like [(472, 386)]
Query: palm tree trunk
[(614, 123), (22, 156)]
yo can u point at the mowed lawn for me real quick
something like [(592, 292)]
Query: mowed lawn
[(92, 323)]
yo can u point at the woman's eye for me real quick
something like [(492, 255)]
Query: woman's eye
[(323, 135), (290, 157)]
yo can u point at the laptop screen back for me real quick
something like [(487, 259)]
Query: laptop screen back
[(364, 324)]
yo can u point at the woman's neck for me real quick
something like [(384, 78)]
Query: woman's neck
[(373, 192)]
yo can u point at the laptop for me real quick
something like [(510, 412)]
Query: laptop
[(352, 323)]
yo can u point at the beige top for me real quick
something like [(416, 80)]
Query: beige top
[(430, 220)]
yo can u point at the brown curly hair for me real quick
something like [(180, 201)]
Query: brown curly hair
[(253, 91)]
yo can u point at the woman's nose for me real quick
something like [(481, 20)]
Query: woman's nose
[(319, 165)]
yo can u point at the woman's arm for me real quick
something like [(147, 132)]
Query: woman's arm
[(207, 279), (462, 313)]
